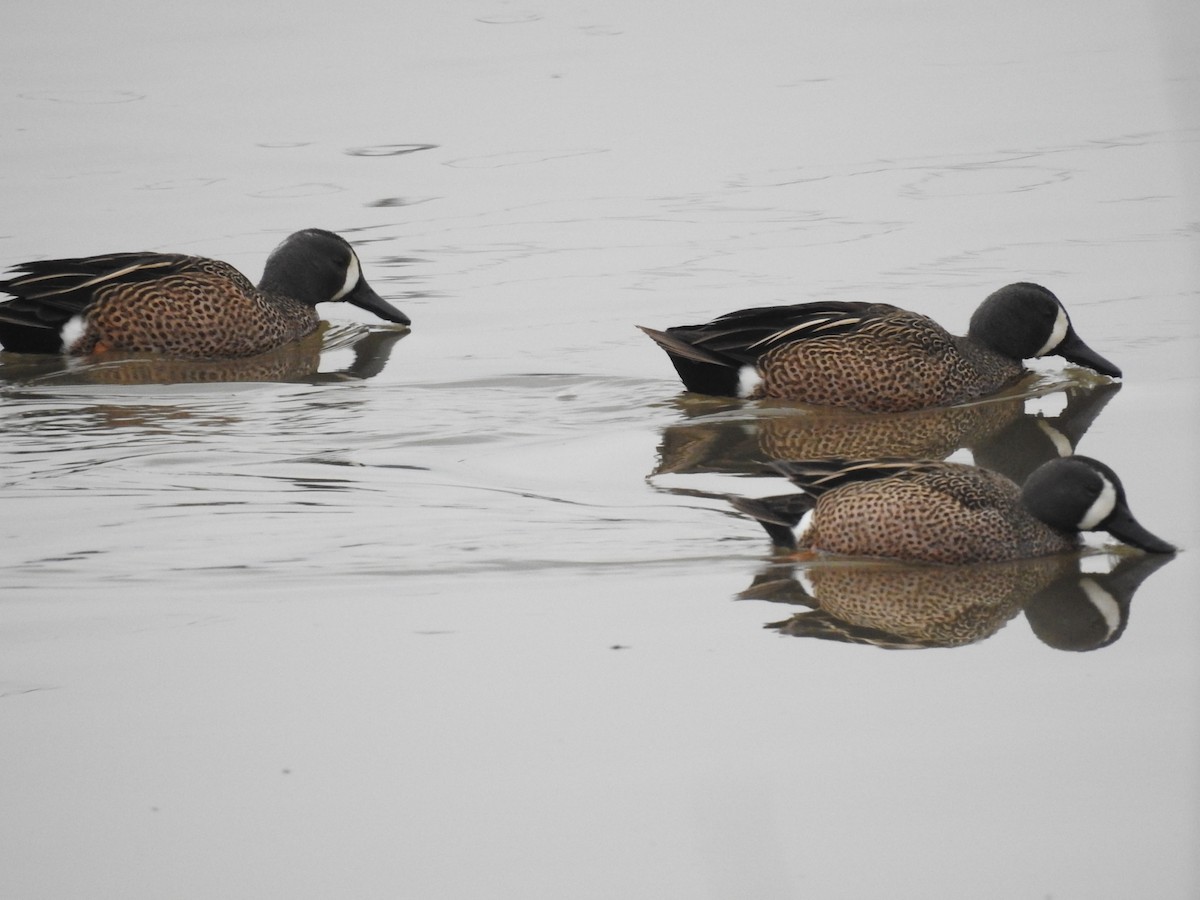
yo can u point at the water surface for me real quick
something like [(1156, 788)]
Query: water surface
[(463, 614)]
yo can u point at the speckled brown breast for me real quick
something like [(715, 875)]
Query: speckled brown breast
[(899, 361), (955, 514), (209, 311)]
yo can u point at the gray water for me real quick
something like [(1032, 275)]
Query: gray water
[(461, 613)]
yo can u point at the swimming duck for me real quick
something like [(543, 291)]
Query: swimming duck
[(943, 512), (182, 306), (872, 357)]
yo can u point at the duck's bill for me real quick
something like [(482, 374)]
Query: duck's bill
[(364, 298), (1123, 526), (1073, 349)]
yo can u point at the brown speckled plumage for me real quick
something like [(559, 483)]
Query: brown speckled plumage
[(872, 357), (182, 307), (203, 309), (931, 512), (942, 512), (893, 361)]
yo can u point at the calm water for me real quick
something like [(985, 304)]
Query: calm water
[(461, 613)]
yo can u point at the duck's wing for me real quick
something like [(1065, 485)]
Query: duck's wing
[(709, 356), (746, 334), (817, 476), (47, 293)]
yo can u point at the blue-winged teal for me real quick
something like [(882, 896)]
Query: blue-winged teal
[(182, 306), (873, 357), (943, 512)]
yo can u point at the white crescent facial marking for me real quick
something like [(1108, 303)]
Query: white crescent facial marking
[(1104, 602), (1057, 333), (73, 331), (1101, 507), (748, 380), (352, 275)]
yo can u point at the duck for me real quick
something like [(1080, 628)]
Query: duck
[(873, 357), (180, 306), (946, 512)]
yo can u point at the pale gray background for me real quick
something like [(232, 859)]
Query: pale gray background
[(355, 641)]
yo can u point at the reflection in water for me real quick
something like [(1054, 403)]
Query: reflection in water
[(1079, 611), (298, 361), (1001, 435), (905, 606)]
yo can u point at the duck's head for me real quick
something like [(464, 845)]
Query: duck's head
[(1077, 493), (318, 266), (1024, 321)]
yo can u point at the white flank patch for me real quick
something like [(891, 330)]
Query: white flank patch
[(73, 331), (1057, 333), (748, 380), (352, 275), (804, 526), (1104, 602), (1101, 507)]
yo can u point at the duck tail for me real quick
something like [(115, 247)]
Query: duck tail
[(19, 334), (700, 370), (778, 516)]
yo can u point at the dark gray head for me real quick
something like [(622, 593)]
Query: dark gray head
[(1024, 321), (316, 266), (1078, 493)]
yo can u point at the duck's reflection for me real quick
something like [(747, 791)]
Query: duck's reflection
[(904, 606), (299, 361), (1000, 433)]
